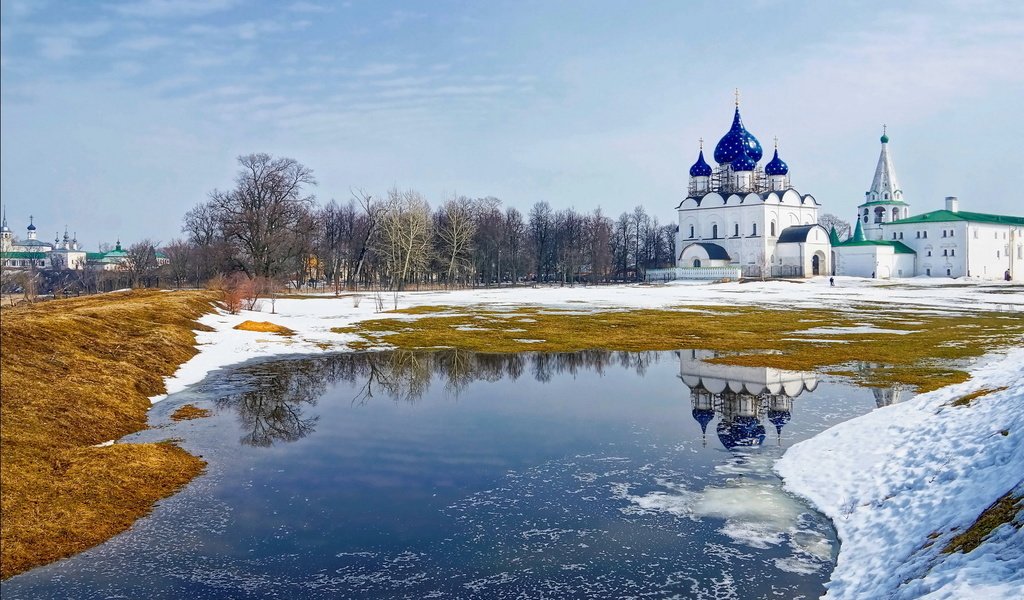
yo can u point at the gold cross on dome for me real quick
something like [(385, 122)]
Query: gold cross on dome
[(737, 97), (701, 140)]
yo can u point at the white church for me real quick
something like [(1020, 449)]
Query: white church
[(739, 219), (744, 220)]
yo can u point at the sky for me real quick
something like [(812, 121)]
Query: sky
[(117, 117)]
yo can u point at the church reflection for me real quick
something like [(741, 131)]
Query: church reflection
[(743, 398)]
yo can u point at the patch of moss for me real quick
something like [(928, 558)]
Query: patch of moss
[(1002, 511)]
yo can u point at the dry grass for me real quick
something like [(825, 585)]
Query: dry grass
[(75, 373), (264, 327), (925, 358), (1002, 511), (966, 399), (188, 412)]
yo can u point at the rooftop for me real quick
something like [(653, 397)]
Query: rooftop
[(940, 216)]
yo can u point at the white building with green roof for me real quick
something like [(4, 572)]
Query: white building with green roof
[(889, 242)]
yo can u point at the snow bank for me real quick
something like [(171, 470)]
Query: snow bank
[(894, 476)]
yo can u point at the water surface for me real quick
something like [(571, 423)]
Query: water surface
[(454, 474)]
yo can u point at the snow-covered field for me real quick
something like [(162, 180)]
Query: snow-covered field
[(887, 479)]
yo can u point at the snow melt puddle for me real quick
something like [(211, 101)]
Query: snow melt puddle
[(453, 474)]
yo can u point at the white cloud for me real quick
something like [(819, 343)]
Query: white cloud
[(58, 47), (308, 7), (163, 9)]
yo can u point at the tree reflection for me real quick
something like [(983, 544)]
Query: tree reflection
[(271, 398)]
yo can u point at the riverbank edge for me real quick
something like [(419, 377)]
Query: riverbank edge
[(77, 373), (901, 482)]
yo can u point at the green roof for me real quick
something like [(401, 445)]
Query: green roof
[(941, 216), (896, 202), (94, 255), (898, 247), (22, 255)]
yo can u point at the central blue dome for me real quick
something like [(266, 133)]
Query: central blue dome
[(700, 168), (775, 166), (736, 140), (743, 162)]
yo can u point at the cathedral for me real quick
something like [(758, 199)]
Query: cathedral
[(741, 219)]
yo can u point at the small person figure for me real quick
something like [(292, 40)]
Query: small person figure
[(832, 282)]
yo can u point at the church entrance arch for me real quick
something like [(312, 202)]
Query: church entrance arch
[(815, 265), (696, 262)]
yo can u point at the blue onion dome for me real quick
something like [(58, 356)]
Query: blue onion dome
[(735, 140), (743, 162), (700, 168), (775, 166), (779, 418), (742, 431), (703, 416), (31, 226)]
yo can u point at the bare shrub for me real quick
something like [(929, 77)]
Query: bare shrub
[(236, 292), (217, 283), (356, 299)]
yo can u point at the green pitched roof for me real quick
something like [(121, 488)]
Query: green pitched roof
[(858, 233), (898, 247), (22, 255), (833, 236), (941, 216)]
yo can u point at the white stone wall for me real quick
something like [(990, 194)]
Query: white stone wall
[(735, 219), (962, 248)]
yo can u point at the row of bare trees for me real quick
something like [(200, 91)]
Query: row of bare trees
[(270, 226)]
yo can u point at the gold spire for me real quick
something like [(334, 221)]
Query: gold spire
[(701, 140), (776, 142), (737, 97)]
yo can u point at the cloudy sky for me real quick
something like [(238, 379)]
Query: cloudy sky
[(119, 116)]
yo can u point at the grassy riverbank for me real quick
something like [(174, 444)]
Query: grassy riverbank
[(73, 374), (869, 343)]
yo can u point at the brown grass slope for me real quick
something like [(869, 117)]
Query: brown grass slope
[(75, 373)]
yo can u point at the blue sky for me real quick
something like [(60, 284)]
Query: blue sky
[(119, 116)]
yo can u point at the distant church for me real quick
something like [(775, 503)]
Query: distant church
[(740, 217), (888, 242)]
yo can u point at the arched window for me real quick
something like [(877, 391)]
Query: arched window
[(736, 233), (755, 229), (879, 214), (714, 231), (691, 231), (895, 214), (773, 229), (696, 262)]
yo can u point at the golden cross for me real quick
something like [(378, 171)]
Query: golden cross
[(737, 97)]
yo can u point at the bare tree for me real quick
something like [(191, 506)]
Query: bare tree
[(828, 221), (179, 260), (264, 212), (455, 228), (405, 229), (140, 263)]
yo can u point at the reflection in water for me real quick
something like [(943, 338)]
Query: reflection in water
[(741, 396), (270, 397)]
